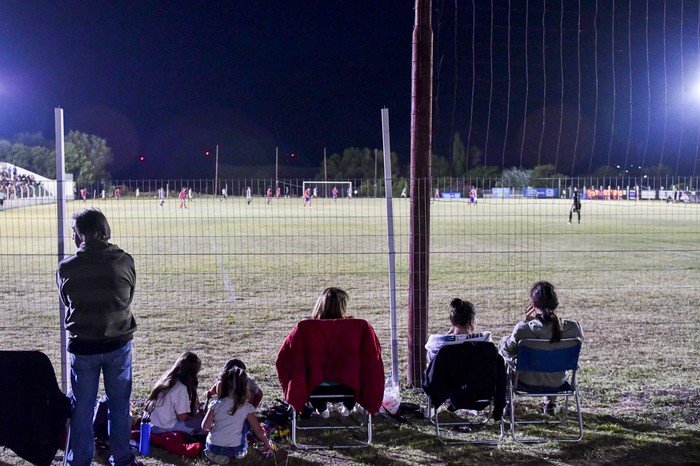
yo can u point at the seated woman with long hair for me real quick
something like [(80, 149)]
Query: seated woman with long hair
[(543, 323), (331, 304)]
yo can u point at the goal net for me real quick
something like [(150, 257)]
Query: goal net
[(324, 189)]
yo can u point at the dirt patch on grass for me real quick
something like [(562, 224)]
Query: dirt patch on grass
[(664, 406)]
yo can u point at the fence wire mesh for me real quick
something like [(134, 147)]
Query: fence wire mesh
[(231, 276)]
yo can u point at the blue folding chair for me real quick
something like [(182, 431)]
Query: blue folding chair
[(542, 356)]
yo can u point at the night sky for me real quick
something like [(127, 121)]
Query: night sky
[(169, 80), (574, 83)]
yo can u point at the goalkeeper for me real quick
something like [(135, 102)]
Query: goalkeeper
[(576, 205)]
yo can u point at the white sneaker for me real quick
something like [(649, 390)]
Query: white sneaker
[(325, 414), (241, 454), (344, 411), (359, 409)]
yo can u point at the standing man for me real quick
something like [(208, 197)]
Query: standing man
[(576, 205), (161, 196), (96, 285)]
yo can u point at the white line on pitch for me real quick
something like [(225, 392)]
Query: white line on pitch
[(224, 274)]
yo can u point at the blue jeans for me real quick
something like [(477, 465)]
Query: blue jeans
[(231, 451), (85, 377)]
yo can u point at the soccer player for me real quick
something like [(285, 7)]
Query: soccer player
[(278, 192), (307, 197), (161, 196), (335, 193), (576, 205), (472, 196), (437, 194), (83, 194), (248, 195), (268, 195), (223, 194), (183, 197), (117, 193), (403, 192)]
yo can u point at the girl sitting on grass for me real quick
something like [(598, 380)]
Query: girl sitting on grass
[(229, 419), (254, 391), (173, 403)]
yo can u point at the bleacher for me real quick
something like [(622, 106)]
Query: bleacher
[(22, 187)]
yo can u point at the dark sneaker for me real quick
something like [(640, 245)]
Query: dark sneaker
[(214, 458), (550, 408)]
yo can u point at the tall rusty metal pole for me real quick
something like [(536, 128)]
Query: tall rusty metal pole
[(421, 148)]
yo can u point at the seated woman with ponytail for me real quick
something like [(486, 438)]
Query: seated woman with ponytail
[(541, 322)]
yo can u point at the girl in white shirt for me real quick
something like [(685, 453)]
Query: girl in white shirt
[(173, 404), (229, 419)]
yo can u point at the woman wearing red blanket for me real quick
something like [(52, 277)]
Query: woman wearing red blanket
[(332, 353), (332, 304)]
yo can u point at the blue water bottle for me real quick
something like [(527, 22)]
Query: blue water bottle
[(145, 435)]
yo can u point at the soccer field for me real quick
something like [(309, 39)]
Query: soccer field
[(224, 277)]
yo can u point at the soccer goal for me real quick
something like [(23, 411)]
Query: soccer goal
[(325, 188)]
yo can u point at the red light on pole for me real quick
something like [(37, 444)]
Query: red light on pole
[(142, 158), (206, 153)]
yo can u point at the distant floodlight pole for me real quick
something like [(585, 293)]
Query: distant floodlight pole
[(216, 171), (375, 171), (61, 235), (277, 156), (325, 174)]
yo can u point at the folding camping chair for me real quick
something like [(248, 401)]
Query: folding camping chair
[(469, 376), (365, 423), (332, 352), (535, 355)]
